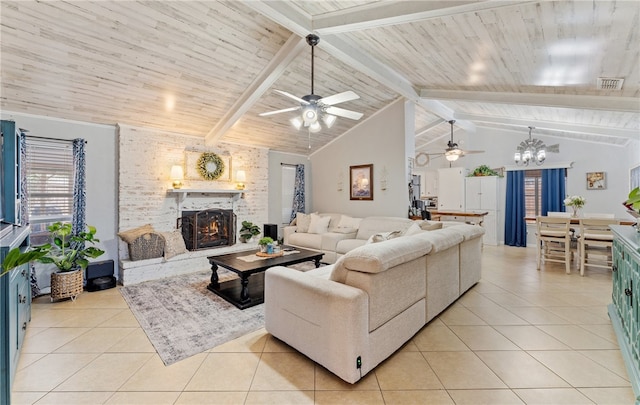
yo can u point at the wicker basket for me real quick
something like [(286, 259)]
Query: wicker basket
[(66, 284), (147, 246)]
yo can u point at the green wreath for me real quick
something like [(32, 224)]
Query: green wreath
[(205, 163)]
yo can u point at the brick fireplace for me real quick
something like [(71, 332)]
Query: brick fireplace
[(208, 228)]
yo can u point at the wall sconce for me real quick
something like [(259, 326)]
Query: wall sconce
[(177, 175), (241, 177), (383, 178)]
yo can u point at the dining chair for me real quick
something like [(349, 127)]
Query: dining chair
[(559, 214), (563, 214), (598, 215), (596, 239), (554, 240)]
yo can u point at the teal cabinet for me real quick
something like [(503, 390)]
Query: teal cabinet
[(625, 309), (15, 310)]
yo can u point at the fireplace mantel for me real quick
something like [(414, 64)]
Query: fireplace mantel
[(182, 193)]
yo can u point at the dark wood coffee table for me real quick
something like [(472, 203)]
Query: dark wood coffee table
[(247, 291)]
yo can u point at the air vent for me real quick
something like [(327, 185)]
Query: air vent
[(610, 83)]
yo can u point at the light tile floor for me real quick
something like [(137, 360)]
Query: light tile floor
[(519, 336)]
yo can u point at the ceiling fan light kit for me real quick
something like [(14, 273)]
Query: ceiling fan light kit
[(530, 151), (315, 108), (453, 151)]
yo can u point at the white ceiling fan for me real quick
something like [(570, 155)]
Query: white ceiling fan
[(453, 151), (314, 107)]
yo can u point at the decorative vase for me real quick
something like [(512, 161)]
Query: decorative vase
[(66, 284), (575, 211), (263, 248)]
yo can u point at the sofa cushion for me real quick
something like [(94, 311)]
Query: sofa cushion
[(378, 257), (338, 271), (319, 224), (441, 239), (302, 222), (306, 240), (330, 240), (471, 231), (348, 245), (372, 225)]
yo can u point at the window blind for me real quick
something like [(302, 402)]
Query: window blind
[(49, 168)]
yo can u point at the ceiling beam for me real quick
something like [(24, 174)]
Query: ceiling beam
[(429, 127), (300, 23), (257, 88), (281, 12), (589, 102), (554, 126), (563, 136), (380, 14)]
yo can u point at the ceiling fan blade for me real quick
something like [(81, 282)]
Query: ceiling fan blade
[(264, 114), (469, 152), (291, 96), (339, 98), (341, 112), (554, 148)]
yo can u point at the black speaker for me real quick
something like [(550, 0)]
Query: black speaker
[(271, 230), (100, 276)]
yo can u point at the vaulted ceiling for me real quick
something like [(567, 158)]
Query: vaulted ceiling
[(209, 68)]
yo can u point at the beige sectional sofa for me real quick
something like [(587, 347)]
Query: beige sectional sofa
[(352, 315), (342, 233)]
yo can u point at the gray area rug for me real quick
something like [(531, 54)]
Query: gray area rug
[(182, 318)]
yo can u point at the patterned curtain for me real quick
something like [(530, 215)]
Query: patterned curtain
[(24, 195), (298, 192), (515, 226), (24, 205), (553, 190), (79, 188)]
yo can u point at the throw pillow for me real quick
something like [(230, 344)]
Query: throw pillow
[(382, 236), (319, 224), (349, 222), (413, 229), (132, 234), (303, 221), (430, 226), (173, 244)]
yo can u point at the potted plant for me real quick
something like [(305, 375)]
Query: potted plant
[(248, 231), (69, 254), (576, 202), (266, 244), (632, 204), (484, 170)]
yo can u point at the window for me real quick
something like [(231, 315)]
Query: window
[(49, 168), (533, 193), (288, 189)]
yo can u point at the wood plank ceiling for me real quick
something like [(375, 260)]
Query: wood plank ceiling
[(208, 68)]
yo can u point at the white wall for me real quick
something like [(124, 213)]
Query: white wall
[(615, 161), (101, 170), (380, 140)]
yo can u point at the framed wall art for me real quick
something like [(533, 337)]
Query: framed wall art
[(634, 177), (361, 181), (596, 181)]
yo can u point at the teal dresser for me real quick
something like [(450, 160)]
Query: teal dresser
[(625, 309), (15, 309)]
